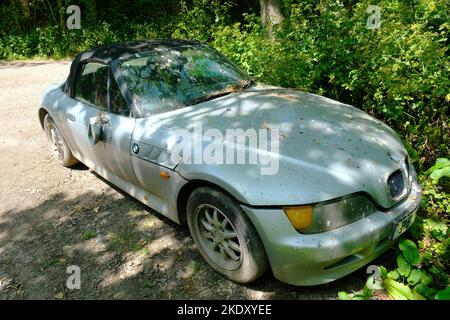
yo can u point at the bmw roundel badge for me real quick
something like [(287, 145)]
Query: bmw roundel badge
[(135, 148)]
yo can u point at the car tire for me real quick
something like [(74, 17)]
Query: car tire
[(225, 236), (58, 145)]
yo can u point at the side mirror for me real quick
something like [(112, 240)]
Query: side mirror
[(94, 130)]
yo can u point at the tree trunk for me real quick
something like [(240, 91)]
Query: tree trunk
[(61, 12), (271, 14), (26, 8)]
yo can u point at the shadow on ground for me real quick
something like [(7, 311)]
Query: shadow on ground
[(124, 250)]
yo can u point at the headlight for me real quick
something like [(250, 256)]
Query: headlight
[(329, 215)]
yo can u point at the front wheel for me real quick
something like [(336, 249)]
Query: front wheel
[(60, 149), (224, 236)]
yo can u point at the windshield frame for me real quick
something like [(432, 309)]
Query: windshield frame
[(137, 110)]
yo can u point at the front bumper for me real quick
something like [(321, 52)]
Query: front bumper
[(311, 259)]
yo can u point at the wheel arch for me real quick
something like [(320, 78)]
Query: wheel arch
[(41, 114), (186, 191)]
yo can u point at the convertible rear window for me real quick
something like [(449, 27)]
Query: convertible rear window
[(170, 78)]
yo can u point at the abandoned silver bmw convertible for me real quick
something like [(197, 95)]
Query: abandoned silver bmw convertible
[(264, 177)]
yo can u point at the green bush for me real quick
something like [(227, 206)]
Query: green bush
[(400, 73), (19, 47)]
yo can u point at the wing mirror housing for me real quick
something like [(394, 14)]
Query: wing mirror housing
[(95, 128)]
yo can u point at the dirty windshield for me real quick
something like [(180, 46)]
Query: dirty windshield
[(170, 78)]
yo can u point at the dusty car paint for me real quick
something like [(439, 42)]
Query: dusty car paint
[(328, 150)]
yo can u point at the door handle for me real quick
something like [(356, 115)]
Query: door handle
[(59, 113)]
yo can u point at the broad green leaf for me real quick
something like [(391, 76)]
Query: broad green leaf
[(443, 294), (344, 296), (414, 277), (383, 272), (436, 175), (440, 163), (394, 294), (393, 275), (398, 290), (403, 266), (416, 296), (410, 251), (425, 291), (439, 170)]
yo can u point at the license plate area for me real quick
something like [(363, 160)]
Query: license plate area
[(401, 224)]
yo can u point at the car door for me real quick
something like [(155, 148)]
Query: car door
[(153, 165), (118, 127), (97, 98)]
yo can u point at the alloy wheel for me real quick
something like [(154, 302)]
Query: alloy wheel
[(55, 141), (218, 237)]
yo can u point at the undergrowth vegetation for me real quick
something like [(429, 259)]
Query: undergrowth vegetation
[(422, 260)]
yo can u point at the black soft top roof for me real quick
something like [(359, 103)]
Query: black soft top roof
[(109, 53)]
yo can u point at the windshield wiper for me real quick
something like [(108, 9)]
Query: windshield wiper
[(248, 84), (220, 93), (211, 96)]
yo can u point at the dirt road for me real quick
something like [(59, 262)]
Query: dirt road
[(52, 217)]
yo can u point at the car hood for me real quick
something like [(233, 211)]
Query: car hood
[(326, 149)]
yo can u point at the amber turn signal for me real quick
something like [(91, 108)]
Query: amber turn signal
[(164, 175), (301, 217)]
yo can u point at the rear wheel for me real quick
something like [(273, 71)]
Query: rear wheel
[(225, 237), (58, 146)]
